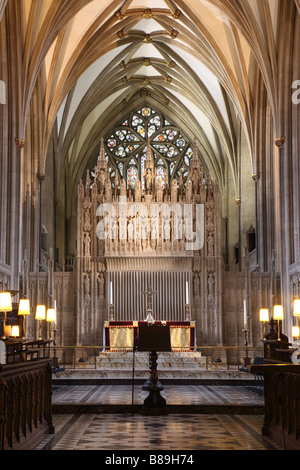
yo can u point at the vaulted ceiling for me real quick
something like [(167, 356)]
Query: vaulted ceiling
[(195, 60)]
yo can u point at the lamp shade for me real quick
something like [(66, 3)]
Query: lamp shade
[(40, 312), (15, 331), (296, 332), (51, 314), (24, 307), (264, 314), (297, 307), (5, 302), (278, 312)]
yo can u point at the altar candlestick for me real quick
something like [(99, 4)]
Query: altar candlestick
[(245, 313), (111, 296), (187, 293)]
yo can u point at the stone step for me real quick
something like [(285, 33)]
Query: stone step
[(84, 374), (165, 361)]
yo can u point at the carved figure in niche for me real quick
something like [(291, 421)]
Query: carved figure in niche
[(108, 192), (166, 229), (174, 190), (130, 191), (180, 186), (87, 221), (87, 245), (211, 286), (196, 286), (131, 228), (154, 234), (123, 190), (159, 192), (148, 181), (210, 218), (116, 189), (189, 191), (114, 231), (138, 191), (144, 231), (102, 180), (86, 285), (100, 282), (195, 181), (210, 245), (87, 204)]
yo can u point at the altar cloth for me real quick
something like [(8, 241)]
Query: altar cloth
[(123, 335)]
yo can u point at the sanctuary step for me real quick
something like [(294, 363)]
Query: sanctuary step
[(174, 365), (167, 363), (119, 364)]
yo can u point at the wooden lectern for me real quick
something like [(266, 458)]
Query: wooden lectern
[(154, 338)]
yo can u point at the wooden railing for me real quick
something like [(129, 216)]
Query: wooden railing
[(282, 403), (25, 403)]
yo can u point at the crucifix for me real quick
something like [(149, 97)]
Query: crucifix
[(149, 294)]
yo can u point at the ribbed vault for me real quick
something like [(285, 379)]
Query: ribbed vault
[(217, 68), (92, 61)]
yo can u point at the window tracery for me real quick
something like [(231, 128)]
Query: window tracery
[(126, 148)]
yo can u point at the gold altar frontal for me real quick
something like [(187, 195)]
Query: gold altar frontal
[(123, 336)]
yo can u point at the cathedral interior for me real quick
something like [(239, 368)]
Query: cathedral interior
[(180, 120)]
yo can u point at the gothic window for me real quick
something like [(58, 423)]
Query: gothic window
[(126, 147)]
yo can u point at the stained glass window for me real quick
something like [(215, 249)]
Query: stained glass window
[(126, 147), (111, 143)]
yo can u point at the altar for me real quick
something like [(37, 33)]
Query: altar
[(123, 335)]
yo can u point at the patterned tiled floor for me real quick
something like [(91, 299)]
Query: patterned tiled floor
[(128, 432), (174, 395), (173, 432)]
